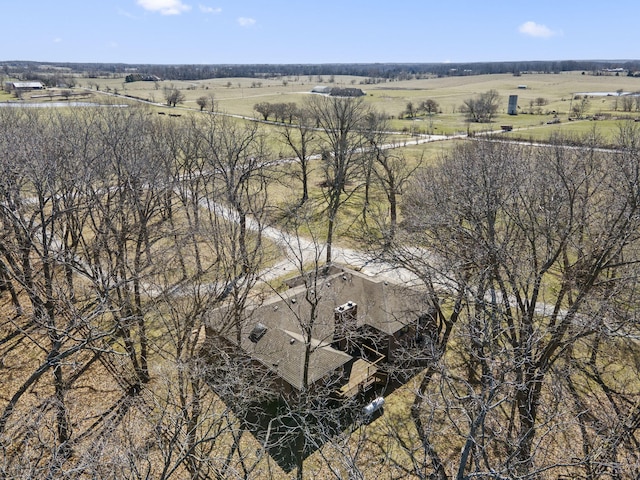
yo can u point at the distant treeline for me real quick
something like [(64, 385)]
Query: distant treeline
[(32, 70)]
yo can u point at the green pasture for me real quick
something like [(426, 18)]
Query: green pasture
[(606, 129), (5, 96), (558, 90), (233, 95), (450, 92), (238, 96)]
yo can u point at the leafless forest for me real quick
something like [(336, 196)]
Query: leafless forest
[(122, 230)]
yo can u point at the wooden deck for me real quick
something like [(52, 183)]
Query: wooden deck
[(363, 374)]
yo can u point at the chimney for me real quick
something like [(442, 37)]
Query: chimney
[(345, 321)]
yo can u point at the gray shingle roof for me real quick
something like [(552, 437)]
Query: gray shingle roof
[(283, 352), (381, 305)]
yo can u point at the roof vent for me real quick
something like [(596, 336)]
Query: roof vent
[(258, 332)]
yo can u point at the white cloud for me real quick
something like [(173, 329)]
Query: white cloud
[(534, 29), (57, 40), (246, 22), (165, 7), (205, 9)]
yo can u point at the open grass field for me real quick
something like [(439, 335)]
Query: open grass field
[(559, 91), (541, 98)]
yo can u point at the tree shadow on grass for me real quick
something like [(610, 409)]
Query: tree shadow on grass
[(276, 424)]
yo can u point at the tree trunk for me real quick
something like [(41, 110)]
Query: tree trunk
[(438, 467)]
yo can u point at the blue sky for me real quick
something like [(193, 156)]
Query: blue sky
[(324, 31)]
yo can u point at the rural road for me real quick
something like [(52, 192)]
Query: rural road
[(300, 250)]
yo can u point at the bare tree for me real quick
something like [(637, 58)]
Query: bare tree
[(60, 314), (291, 111), (300, 137), (173, 96), (496, 240), (105, 225), (213, 104), (410, 110), (391, 171), (375, 129), (429, 106), (202, 102), (236, 200), (627, 103), (482, 108), (30, 219), (127, 218), (342, 120), (264, 108), (579, 109)]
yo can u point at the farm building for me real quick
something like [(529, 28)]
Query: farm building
[(362, 324), (22, 86), (347, 92), (321, 89), (338, 92)]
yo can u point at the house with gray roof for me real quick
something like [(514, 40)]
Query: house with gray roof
[(345, 337)]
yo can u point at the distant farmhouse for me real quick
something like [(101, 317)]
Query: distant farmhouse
[(362, 326), (337, 91), (614, 71)]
